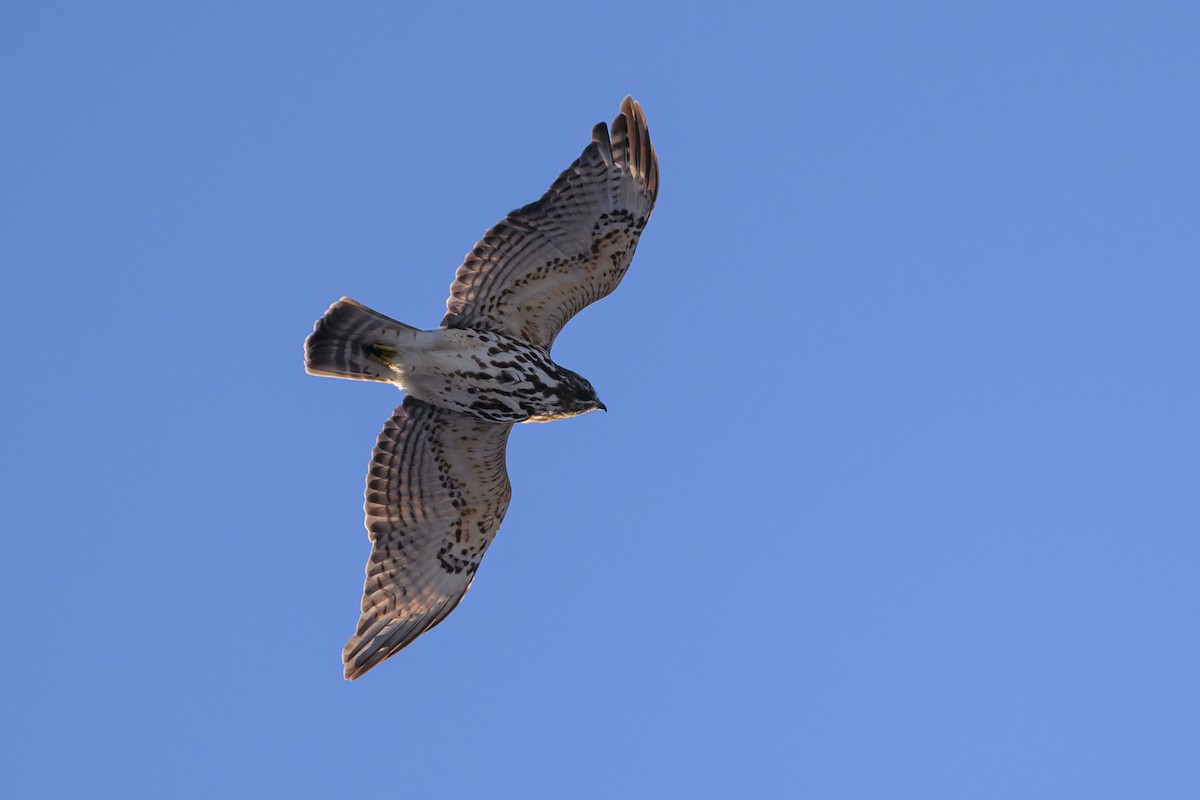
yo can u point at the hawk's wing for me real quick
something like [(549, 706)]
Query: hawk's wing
[(543, 263), (436, 493)]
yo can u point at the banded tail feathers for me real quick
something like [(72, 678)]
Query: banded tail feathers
[(352, 341)]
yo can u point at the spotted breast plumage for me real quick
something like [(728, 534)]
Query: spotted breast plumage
[(438, 488)]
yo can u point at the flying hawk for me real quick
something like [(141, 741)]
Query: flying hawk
[(437, 487)]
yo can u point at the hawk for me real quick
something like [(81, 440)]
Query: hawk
[(437, 487)]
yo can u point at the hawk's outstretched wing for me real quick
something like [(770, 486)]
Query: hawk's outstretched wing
[(436, 493), (543, 263)]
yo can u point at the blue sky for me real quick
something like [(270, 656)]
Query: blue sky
[(897, 495)]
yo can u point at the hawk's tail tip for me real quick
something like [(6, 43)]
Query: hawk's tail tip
[(346, 342)]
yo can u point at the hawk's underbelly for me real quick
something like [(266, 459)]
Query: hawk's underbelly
[(483, 374)]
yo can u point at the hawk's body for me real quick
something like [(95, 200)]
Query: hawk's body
[(437, 488), (476, 372)]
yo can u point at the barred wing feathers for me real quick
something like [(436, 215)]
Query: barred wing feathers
[(542, 263), (437, 491)]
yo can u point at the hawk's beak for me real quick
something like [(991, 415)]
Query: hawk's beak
[(601, 406)]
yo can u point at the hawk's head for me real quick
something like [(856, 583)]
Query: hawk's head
[(572, 395)]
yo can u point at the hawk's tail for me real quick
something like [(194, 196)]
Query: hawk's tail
[(352, 341)]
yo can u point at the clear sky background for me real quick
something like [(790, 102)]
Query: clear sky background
[(898, 494)]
